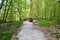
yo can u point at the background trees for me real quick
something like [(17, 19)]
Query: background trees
[(22, 9)]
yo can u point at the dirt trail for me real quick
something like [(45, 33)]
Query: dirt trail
[(30, 31)]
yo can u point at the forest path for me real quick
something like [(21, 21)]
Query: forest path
[(30, 31)]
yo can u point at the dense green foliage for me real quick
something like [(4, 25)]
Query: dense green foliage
[(8, 29), (40, 8), (13, 10), (47, 22)]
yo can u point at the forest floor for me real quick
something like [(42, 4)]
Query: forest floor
[(7, 29), (52, 32), (27, 31)]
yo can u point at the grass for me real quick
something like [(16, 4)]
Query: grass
[(16, 23), (8, 29), (57, 35), (48, 23), (6, 35)]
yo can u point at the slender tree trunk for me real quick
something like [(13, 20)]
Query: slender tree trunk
[(25, 6), (11, 12), (8, 9), (58, 16), (19, 15), (5, 11), (31, 8), (20, 11), (38, 10), (45, 12), (54, 11), (2, 4), (50, 14)]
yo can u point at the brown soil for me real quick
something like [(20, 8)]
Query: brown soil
[(48, 31), (14, 36)]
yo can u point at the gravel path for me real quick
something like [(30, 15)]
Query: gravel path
[(28, 33)]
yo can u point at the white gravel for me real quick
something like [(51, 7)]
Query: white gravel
[(27, 33)]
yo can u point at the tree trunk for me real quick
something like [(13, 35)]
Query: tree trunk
[(11, 12), (31, 8), (51, 14), (45, 12), (20, 11), (8, 9), (2, 4), (38, 11), (25, 6), (54, 11), (5, 11)]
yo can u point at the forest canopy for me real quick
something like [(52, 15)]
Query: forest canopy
[(11, 10)]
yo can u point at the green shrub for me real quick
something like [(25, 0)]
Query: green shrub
[(8, 29), (17, 23), (57, 35), (43, 22)]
